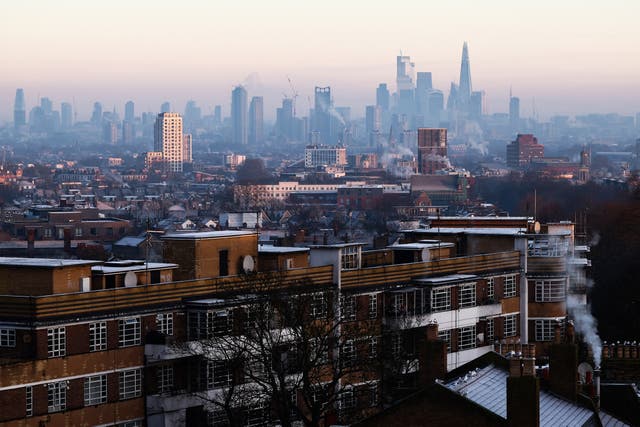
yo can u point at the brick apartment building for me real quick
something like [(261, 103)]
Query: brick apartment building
[(80, 348)]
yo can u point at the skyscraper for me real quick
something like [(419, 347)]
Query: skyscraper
[(169, 140), (322, 114), (239, 115), (405, 80), (256, 120), (96, 115), (514, 112), (66, 113), (129, 111), (382, 97), (464, 88), (19, 110), (165, 107), (217, 114), (432, 150), (424, 84)]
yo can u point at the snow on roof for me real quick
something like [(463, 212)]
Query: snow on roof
[(420, 246), (43, 262), (130, 241), (113, 269), (207, 235), (270, 249), (445, 279)]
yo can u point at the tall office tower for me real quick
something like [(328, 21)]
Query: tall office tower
[(239, 116), (405, 81), (476, 104), (128, 132), (96, 115), (129, 111), (284, 119), (432, 150), (373, 118), (169, 140), (256, 120), (66, 113), (424, 84), (47, 105), (464, 88), (217, 114), (19, 110), (322, 114), (187, 148), (109, 132), (192, 115), (382, 97), (165, 107), (514, 112)]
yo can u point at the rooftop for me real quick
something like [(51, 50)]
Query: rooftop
[(270, 249), (43, 262), (113, 268), (207, 235), (445, 279)]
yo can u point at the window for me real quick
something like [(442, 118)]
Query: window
[(165, 378), (373, 395), (256, 416), (466, 338), (318, 305), (397, 349), (550, 290), (98, 336), (373, 347), (446, 337), (467, 295), (491, 288), (218, 374), (217, 418), (510, 325), (373, 306), (399, 303), (78, 232), (165, 323), (348, 307), (545, 329), (509, 286), (7, 337), (348, 354), (490, 330), (441, 299), (223, 262), (57, 396), (56, 342), (95, 390), (129, 332), (350, 259), (28, 400), (130, 383), (319, 351), (346, 402)]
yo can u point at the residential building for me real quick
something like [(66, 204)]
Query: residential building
[(322, 155), (432, 150), (170, 140), (523, 150)]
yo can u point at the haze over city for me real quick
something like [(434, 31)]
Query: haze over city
[(572, 57)]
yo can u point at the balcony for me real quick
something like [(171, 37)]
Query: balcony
[(448, 319)]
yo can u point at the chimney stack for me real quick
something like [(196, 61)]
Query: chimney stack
[(67, 240), (523, 393), (31, 241)]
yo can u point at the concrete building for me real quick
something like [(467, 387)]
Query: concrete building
[(322, 155), (523, 150), (432, 150), (256, 120), (239, 122), (170, 141)]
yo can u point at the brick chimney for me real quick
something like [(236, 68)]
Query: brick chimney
[(31, 241), (563, 370), (67, 240), (433, 357), (523, 392)]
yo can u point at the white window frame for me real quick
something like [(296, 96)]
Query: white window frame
[(445, 335), (441, 299), (218, 374), (348, 353), (348, 307), (164, 323), (28, 398), (56, 396), (129, 332), (467, 295), (373, 347), (491, 330), (318, 305), (56, 341), (550, 290), (545, 329), (373, 394), (95, 390), (491, 287), (98, 336), (510, 287), (510, 325), (373, 306), (319, 349), (350, 257), (7, 337), (467, 338), (165, 378), (130, 383)]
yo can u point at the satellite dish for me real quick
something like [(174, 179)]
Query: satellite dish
[(130, 279), (248, 264), (536, 227), (424, 254)]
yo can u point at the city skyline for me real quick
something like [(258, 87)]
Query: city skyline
[(350, 48)]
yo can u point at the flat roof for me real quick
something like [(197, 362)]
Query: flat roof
[(501, 231), (208, 235), (337, 245), (419, 246), (270, 249), (114, 269), (445, 279), (43, 262)]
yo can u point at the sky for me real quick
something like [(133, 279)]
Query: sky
[(564, 56)]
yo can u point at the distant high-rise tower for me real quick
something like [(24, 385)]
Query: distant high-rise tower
[(256, 120), (47, 105), (129, 111), (96, 115), (169, 140), (165, 107), (464, 88), (405, 81), (187, 148), (322, 114), (514, 112), (432, 150), (66, 114), (19, 110), (217, 114), (382, 97), (109, 132), (424, 84), (239, 115)]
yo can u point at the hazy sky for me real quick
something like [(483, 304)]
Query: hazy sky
[(573, 56)]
